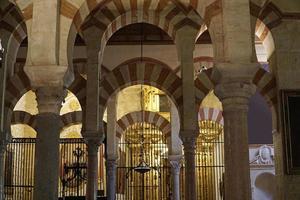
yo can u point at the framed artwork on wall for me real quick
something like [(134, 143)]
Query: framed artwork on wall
[(290, 115)]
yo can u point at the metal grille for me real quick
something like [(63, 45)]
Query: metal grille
[(19, 173), (73, 164), (209, 159), (155, 184), (19, 168)]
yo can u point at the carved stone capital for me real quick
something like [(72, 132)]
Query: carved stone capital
[(175, 162), (93, 135), (234, 72), (189, 141), (111, 164), (235, 95), (50, 99), (93, 145)]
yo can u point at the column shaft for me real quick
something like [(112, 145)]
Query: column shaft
[(93, 119), (47, 156), (175, 162), (189, 144), (2, 170), (185, 42), (92, 169), (235, 98), (111, 170), (237, 178)]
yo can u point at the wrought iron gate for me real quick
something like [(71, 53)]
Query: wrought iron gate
[(209, 160), (143, 142), (19, 168)]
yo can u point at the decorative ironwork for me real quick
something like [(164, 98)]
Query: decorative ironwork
[(74, 173), (19, 172), (209, 161), (155, 184), (19, 168)]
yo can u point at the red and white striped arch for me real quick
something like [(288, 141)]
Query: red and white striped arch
[(109, 16), (78, 88), (16, 86), (148, 73), (266, 86), (143, 116), (212, 114), (204, 82), (170, 21), (22, 117), (108, 11), (19, 84), (268, 16), (71, 118)]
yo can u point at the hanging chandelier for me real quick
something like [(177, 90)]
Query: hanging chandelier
[(142, 167)]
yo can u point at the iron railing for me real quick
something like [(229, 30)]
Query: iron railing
[(139, 141), (19, 168), (143, 141)]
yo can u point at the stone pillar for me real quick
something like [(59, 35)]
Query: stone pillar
[(48, 127), (185, 43), (112, 147), (92, 126), (235, 98), (111, 179), (92, 168), (279, 164), (174, 142), (175, 162), (189, 147), (3, 145)]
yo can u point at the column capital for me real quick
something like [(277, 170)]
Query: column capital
[(225, 72), (93, 135), (177, 158), (188, 135), (189, 141), (93, 145), (50, 99), (111, 163), (41, 76), (175, 162), (235, 95), (94, 141)]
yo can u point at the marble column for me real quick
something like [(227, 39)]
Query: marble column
[(92, 168), (111, 178), (48, 127), (175, 162), (235, 98)]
